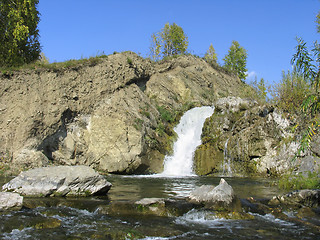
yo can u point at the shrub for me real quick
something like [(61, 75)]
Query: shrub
[(300, 181)]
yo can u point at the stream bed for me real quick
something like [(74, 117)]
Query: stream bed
[(80, 218)]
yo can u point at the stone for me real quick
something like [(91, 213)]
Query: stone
[(255, 139), (299, 198), (221, 197), (10, 201), (59, 181)]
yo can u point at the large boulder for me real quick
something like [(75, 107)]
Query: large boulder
[(221, 197), (10, 201), (59, 181)]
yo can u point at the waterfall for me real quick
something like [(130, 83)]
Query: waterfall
[(189, 132), (226, 166)]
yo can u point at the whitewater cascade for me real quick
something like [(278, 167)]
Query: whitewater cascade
[(189, 132), (226, 165)]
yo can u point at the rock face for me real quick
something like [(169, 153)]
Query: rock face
[(244, 138), (10, 201), (102, 113), (59, 181), (221, 197)]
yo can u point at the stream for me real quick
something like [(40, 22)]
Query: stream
[(79, 218)]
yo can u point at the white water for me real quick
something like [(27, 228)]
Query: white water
[(189, 138), (226, 167)]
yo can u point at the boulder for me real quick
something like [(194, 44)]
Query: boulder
[(299, 198), (59, 181), (221, 197), (10, 201)]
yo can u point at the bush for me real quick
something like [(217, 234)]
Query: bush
[(300, 181), (290, 93)]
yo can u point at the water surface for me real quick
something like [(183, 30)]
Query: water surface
[(78, 218)]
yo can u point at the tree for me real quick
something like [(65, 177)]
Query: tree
[(211, 56), (19, 39), (307, 64), (171, 40), (290, 92), (261, 89), (236, 60)]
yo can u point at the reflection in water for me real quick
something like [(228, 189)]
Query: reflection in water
[(147, 186)]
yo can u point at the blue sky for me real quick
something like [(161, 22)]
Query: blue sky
[(267, 29)]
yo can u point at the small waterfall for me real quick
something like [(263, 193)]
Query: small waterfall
[(189, 132), (226, 166)]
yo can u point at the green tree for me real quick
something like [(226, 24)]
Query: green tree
[(171, 40), (236, 60), (290, 92), (307, 63), (211, 56), (261, 89), (19, 39)]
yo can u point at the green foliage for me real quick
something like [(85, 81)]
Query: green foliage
[(138, 124), (56, 66), (129, 61), (260, 90), (166, 115), (299, 181), (170, 41), (307, 63), (312, 129), (211, 56), (236, 60), (19, 39), (290, 93)]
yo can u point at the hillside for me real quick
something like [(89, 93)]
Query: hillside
[(115, 114)]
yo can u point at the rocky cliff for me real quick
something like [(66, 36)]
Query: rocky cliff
[(244, 138), (111, 114)]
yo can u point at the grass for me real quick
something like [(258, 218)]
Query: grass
[(300, 181), (91, 61)]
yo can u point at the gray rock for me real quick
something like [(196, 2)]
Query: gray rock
[(10, 201), (233, 104), (221, 197), (149, 201), (59, 181), (305, 197)]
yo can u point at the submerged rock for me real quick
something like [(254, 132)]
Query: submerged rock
[(59, 181), (10, 201), (221, 197), (305, 197)]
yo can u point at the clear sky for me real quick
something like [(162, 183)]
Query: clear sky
[(267, 29)]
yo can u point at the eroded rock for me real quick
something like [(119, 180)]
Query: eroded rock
[(59, 181), (221, 197), (299, 198), (10, 201)]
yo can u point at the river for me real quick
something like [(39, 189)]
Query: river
[(80, 218)]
